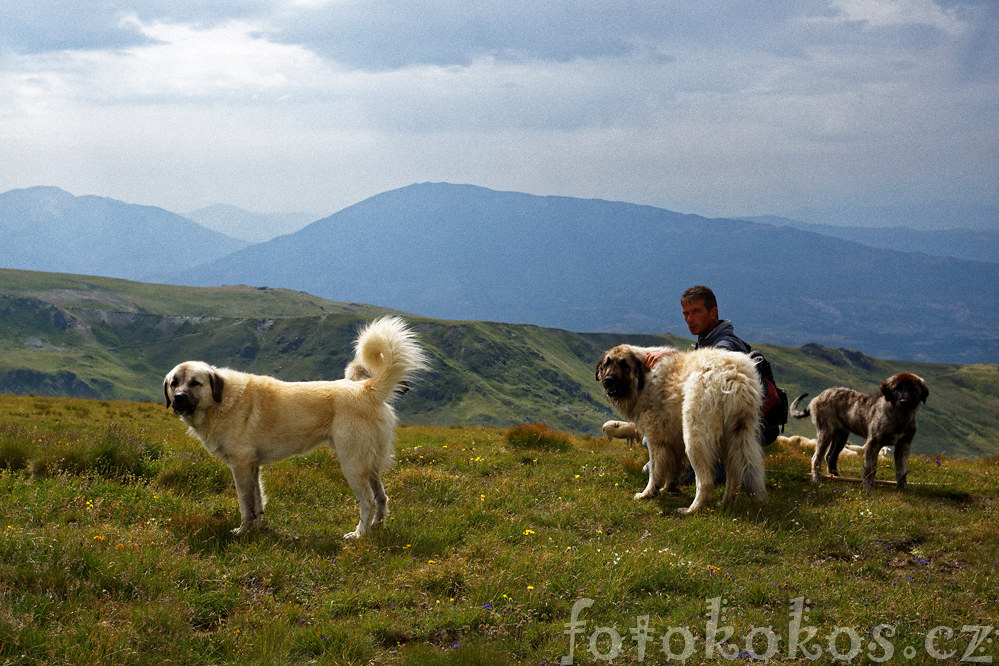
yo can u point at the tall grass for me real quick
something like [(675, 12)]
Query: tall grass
[(115, 547)]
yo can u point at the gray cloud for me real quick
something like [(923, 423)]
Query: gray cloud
[(715, 107)]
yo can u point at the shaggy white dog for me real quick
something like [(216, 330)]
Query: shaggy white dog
[(704, 403)]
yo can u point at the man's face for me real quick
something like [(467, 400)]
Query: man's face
[(699, 318)]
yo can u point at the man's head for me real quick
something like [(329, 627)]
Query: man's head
[(700, 309)]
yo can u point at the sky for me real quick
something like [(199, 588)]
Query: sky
[(714, 107)]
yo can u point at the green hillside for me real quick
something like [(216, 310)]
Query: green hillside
[(116, 548), (69, 335)]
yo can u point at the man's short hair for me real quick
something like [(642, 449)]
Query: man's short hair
[(700, 293)]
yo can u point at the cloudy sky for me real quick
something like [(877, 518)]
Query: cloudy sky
[(716, 107)]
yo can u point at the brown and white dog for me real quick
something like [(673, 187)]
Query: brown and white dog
[(251, 420), (703, 404), (886, 419)]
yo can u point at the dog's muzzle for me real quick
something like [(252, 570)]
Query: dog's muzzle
[(183, 404), (614, 387)]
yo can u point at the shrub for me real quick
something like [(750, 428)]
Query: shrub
[(537, 436)]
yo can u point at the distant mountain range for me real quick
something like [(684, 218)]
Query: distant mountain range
[(248, 226), (977, 245), (47, 229), (469, 253)]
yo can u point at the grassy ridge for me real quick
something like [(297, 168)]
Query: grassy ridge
[(104, 338), (115, 547)]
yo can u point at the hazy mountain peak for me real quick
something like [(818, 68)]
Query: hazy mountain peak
[(247, 225), (49, 229)]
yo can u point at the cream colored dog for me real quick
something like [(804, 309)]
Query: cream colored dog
[(621, 430), (252, 420), (849, 451), (705, 404)]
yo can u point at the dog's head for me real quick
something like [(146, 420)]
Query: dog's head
[(621, 373), (192, 385), (905, 391)]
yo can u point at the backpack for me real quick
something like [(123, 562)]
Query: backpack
[(775, 405)]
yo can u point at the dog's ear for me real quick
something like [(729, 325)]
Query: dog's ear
[(600, 366), (888, 389), (217, 383), (166, 391), (637, 367), (924, 389)]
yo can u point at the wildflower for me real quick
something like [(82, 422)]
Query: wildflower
[(530, 587), (712, 569), (528, 532)]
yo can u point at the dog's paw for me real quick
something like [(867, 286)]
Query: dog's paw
[(685, 511), (352, 535), (644, 495), (247, 526)]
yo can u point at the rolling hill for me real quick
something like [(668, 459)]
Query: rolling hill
[(106, 338)]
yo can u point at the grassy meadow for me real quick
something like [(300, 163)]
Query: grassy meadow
[(115, 548)]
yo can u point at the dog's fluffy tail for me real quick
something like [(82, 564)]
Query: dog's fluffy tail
[(389, 354), (799, 413)]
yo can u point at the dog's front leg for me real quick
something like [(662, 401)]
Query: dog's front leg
[(902, 449), (251, 509), (871, 449), (655, 472), (651, 488)]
